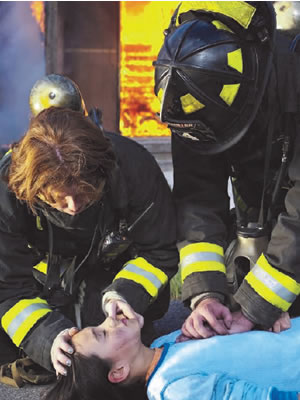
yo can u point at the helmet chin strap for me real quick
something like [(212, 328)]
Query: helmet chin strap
[(194, 131), (189, 136)]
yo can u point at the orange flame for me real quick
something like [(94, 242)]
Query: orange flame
[(141, 36), (38, 11)]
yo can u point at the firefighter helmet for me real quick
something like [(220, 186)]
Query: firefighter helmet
[(211, 74), (55, 90)]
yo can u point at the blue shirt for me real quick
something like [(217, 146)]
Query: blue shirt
[(255, 365)]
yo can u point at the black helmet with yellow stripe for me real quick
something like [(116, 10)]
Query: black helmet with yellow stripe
[(55, 90), (212, 70)]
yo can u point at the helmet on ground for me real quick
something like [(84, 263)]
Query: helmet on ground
[(212, 70), (57, 91)]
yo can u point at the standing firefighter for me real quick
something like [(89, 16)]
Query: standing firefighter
[(87, 228), (228, 92)]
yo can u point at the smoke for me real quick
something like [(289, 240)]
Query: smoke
[(22, 63)]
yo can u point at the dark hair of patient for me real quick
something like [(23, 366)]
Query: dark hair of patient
[(87, 380)]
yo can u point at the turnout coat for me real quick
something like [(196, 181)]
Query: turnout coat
[(205, 224), (51, 261)]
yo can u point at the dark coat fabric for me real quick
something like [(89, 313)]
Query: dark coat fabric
[(136, 182), (202, 201)]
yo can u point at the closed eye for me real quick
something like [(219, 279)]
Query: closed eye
[(99, 335)]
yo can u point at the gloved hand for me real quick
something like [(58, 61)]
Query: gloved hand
[(209, 318), (60, 348)]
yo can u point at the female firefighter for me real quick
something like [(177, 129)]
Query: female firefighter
[(87, 227)]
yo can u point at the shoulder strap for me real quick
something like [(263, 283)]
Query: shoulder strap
[(288, 76), (270, 132)]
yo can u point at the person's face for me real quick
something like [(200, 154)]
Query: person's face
[(113, 340), (70, 201)]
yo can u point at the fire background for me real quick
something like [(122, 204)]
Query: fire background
[(107, 48)]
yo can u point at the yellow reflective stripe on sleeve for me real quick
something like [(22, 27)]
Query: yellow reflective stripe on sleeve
[(229, 92), (266, 293), (285, 280), (42, 267), (198, 247), (240, 11), (18, 321), (221, 26), (140, 271), (272, 285), (235, 60), (189, 104), (201, 257)]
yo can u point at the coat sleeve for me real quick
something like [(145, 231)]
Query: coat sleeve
[(216, 387), (143, 278), (274, 283), (24, 315), (202, 202)]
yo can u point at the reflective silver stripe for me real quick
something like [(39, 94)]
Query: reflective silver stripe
[(22, 316), (146, 274), (201, 256), (273, 284)]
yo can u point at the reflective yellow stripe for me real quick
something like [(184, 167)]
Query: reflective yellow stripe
[(272, 285), (17, 308), (201, 257), (8, 151), (266, 293), (229, 92), (18, 321), (221, 26), (189, 104), (42, 267), (151, 289), (235, 60), (35, 316), (145, 274), (240, 11), (203, 246), (202, 266), (285, 280)]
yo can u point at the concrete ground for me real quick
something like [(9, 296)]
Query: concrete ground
[(170, 322)]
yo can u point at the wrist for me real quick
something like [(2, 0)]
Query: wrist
[(207, 296), (110, 296), (246, 316)]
